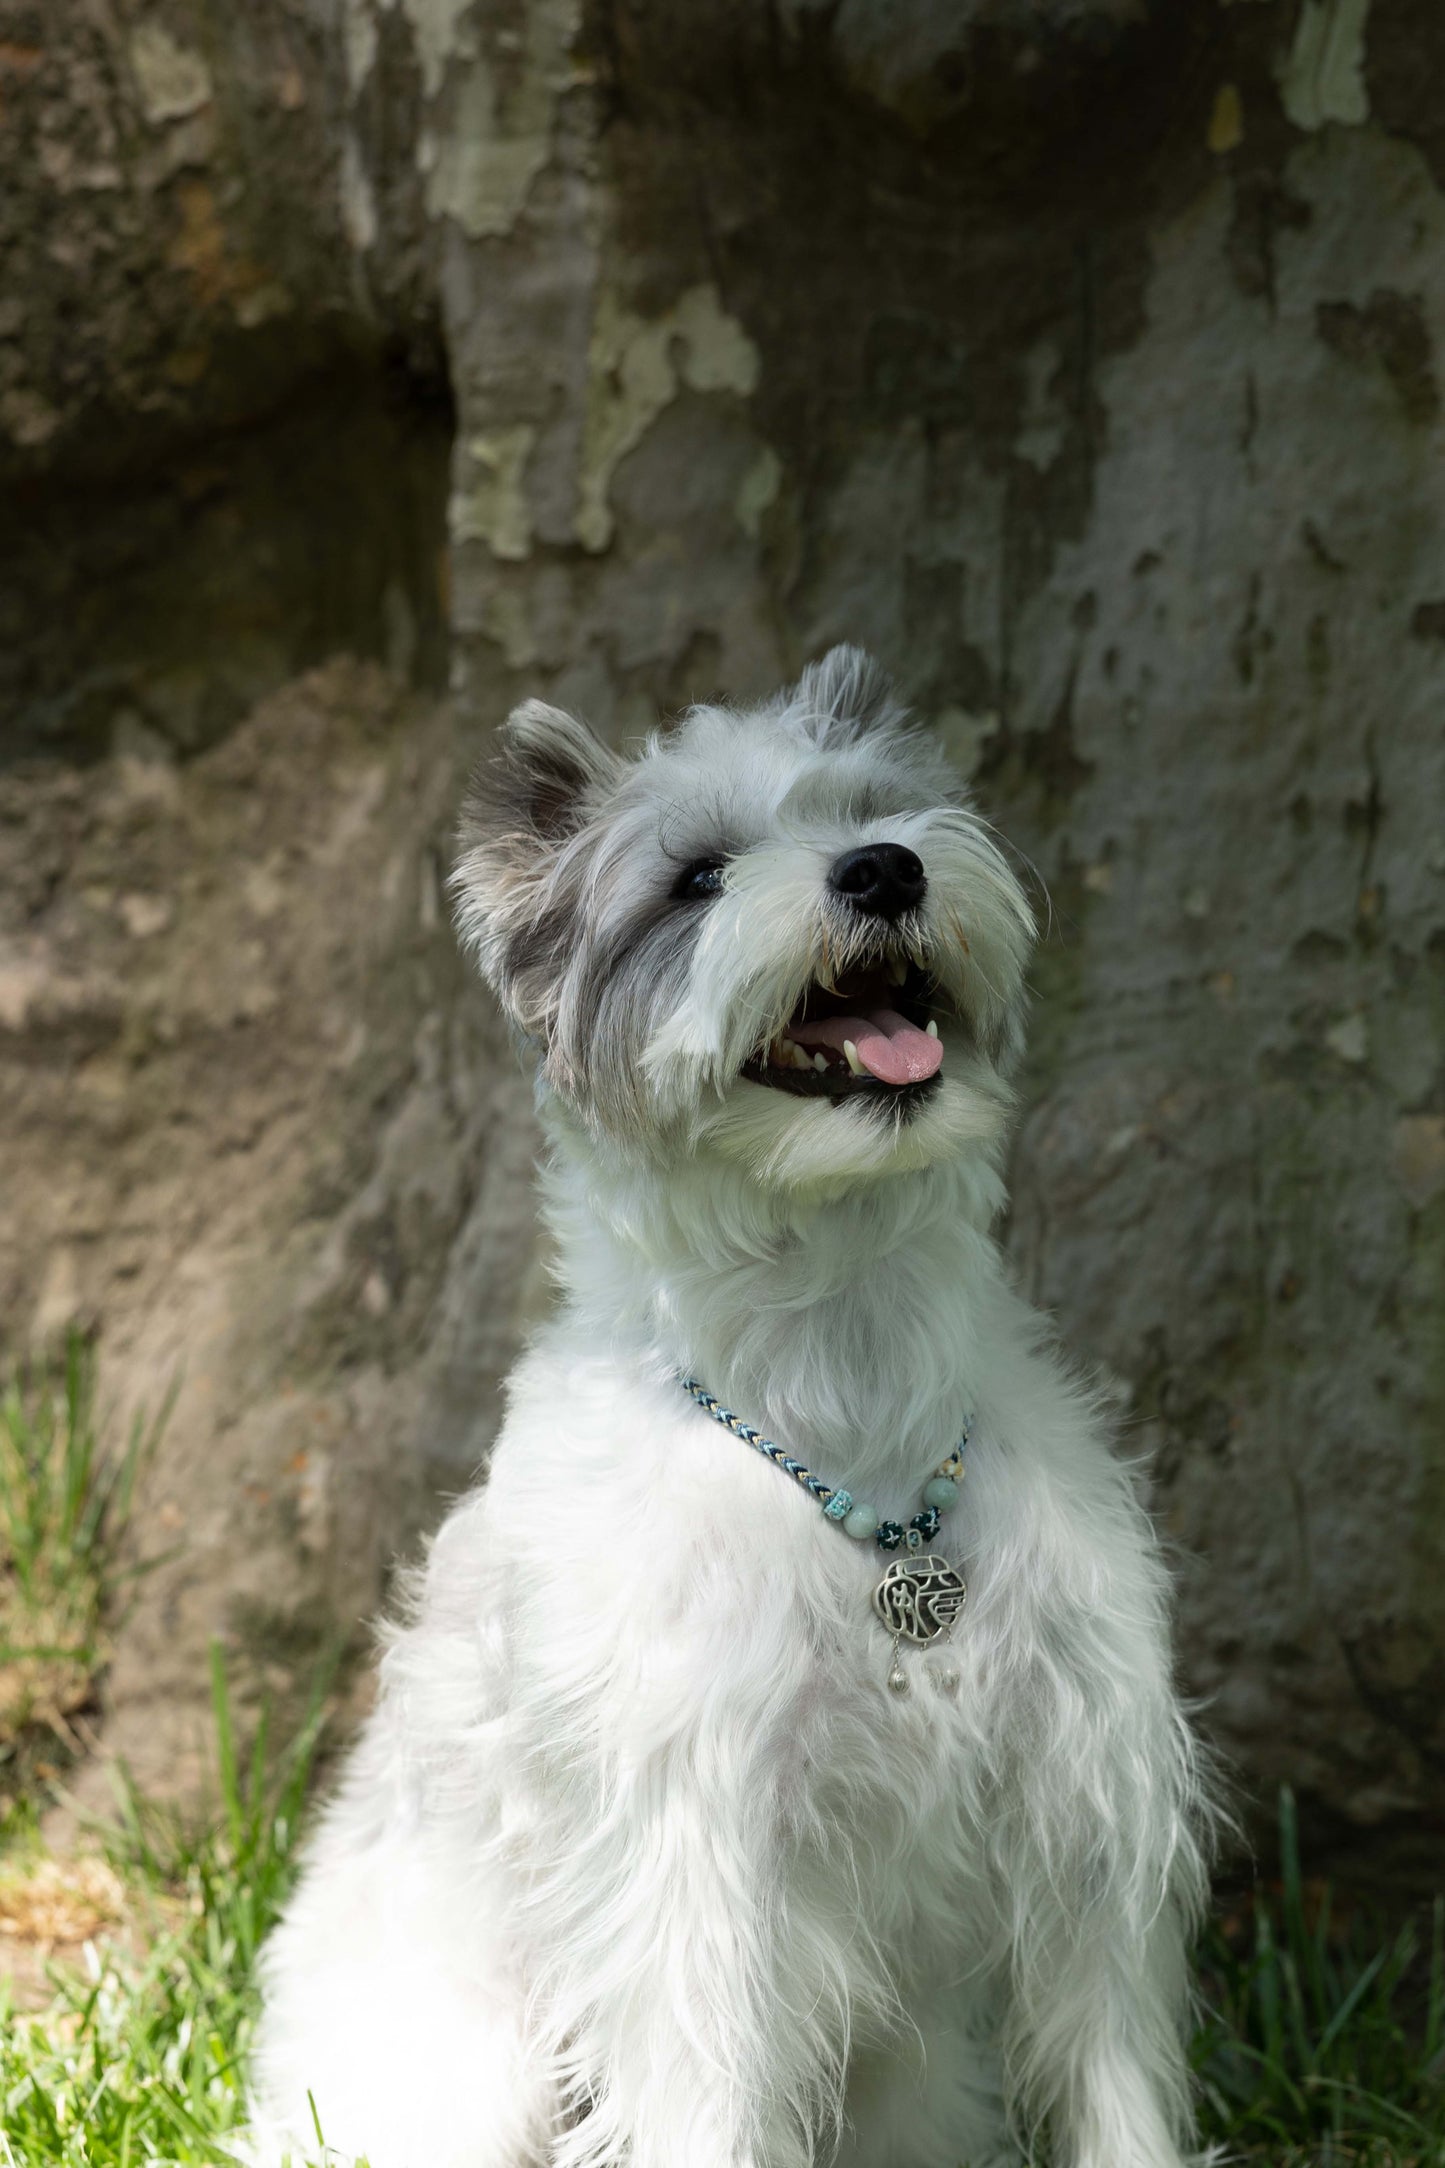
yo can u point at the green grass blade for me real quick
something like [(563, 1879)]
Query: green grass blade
[(231, 1799)]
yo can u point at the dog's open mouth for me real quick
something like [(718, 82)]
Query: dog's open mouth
[(870, 1031)]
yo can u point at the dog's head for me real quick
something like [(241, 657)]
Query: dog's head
[(779, 934)]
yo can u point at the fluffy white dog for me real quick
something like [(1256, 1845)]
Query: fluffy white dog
[(700, 1823)]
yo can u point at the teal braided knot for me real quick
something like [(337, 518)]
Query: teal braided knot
[(837, 1504)]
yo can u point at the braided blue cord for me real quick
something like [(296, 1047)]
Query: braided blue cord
[(812, 1484), (835, 1503)]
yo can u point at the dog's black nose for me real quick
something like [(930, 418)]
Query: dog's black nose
[(885, 879)]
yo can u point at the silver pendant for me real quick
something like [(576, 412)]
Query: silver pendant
[(919, 1598)]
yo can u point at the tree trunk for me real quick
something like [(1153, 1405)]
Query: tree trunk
[(1080, 360)]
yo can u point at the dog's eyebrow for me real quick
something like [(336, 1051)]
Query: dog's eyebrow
[(686, 826), (841, 795)]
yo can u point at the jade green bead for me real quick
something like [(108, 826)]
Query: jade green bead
[(861, 1522), (941, 1492)]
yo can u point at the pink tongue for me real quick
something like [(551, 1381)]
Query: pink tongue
[(889, 1047)]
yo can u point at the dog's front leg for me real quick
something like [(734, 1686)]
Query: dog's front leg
[(1104, 1876), (1097, 2047), (668, 2002)]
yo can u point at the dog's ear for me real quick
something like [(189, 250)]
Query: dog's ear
[(846, 692), (537, 789), (550, 770), (524, 804)]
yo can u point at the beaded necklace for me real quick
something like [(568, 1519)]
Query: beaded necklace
[(920, 1594)]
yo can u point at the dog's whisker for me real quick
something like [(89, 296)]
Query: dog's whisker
[(956, 928)]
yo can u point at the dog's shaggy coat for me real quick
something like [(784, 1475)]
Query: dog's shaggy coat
[(640, 1861)]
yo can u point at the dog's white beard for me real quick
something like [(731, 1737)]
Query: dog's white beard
[(817, 1150)]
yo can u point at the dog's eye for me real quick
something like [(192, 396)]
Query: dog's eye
[(704, 877)]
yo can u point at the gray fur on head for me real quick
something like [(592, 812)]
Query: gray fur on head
[(646, 1004)]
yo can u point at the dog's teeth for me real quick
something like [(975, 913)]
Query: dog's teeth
[(932, 1028), (802, 1059), (897, 970), (820, 1065), (850, 1055)]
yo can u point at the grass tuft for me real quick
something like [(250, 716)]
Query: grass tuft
[(65, 1503), (1324, 2046), (141, 2057)]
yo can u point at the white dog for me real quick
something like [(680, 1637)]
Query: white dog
[(701, 1824)]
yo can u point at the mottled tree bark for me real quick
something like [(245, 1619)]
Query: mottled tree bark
[(1078, 358)]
